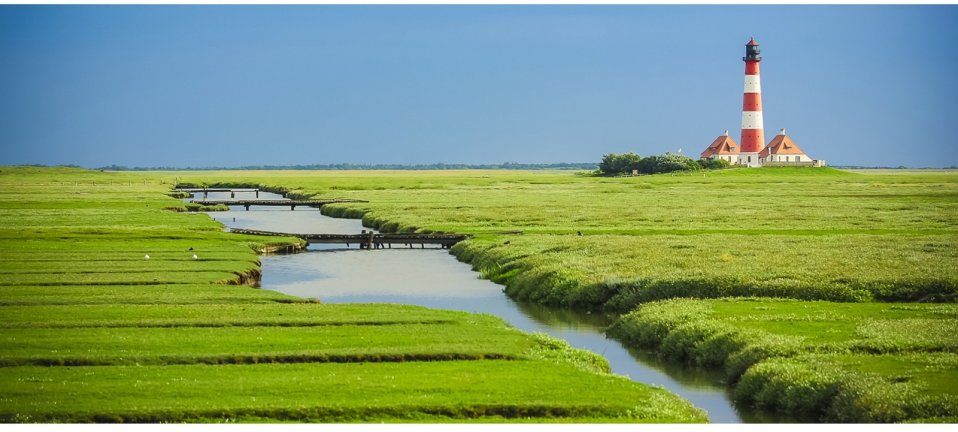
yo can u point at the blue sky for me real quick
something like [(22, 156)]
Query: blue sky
[(268, 85)]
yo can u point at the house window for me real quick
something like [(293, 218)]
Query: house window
[(749, 159)]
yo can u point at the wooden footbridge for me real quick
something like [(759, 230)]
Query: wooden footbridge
[(206, 191), (195, 190), (368, 240), (292, 204)]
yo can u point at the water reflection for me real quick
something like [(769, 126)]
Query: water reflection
[(434, 278)]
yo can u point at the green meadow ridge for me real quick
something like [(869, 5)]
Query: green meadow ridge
[(107, 317), (860, 268)]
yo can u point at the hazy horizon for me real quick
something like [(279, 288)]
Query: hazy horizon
[(232, 86)]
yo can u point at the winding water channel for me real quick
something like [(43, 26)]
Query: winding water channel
[(433, 278)]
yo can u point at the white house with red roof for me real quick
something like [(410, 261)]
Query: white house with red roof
[(781, 151), (724, 148)]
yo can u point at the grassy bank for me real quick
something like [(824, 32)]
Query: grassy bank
[(106, 316), (616, 272), (618, 243), (822, 360)]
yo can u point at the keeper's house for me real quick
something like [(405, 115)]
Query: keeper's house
[(781, 151)]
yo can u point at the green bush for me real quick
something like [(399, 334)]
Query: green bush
[(714, 163), (613, 164), (667, 163)]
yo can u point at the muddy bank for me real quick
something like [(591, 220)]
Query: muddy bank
[(250, 277)]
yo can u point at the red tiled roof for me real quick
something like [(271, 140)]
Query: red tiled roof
[(722, 145), (781, 145)]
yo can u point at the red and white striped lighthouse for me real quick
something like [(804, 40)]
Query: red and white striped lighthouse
[(753, 133)]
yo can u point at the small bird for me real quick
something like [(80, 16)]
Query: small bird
[(191, 248), (147, 256), (195, 257)]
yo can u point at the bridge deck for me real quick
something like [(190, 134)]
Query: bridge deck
[(194, 190), (276, 203)]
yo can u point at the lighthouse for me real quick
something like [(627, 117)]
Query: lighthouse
[(753, 152), (753, 134)]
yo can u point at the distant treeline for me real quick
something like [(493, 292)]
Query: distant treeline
[(350, 166)]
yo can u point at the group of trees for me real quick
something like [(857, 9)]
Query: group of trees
[(625, 163)]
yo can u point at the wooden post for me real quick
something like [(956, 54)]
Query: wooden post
[(232, 194), (257, 193), (371, 237)]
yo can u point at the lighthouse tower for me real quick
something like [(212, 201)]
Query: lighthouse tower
[(753, 134)]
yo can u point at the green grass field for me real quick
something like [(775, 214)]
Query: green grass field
[(94, 331), (774, 200), (783, 232), (863, 265), (788, 233)]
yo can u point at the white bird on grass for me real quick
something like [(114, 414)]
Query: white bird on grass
[(195, 257), (146, 256)]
